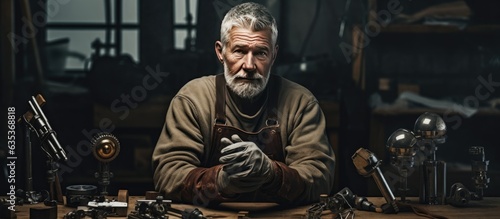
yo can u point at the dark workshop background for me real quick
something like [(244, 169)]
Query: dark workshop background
[(112, 66)]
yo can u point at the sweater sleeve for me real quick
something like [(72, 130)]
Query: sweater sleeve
[(200, 187), (309, 154), (286, 186), (178, 149)]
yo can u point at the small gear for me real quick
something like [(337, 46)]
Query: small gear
[(105, 147)]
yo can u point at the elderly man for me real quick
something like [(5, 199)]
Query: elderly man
[(244, 135)]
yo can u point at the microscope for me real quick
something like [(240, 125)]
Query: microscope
[(402, 147), (430, 130), (36, 121)]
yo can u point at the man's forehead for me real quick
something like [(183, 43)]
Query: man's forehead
[(244, 35)]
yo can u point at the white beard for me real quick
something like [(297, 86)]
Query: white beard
[(246, 90)]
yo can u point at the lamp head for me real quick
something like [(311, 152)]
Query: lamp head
[(430, 126), (105, 147), (402, 143), (402, 147)]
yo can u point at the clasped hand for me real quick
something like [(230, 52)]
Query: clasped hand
[(246, 168)]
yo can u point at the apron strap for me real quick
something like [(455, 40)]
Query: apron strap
[(220, 101), (272, 104)]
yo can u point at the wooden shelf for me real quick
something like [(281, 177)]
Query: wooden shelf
[(483, 111), (148, 114), (421, 28)]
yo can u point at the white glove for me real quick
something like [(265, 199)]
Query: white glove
[(246, 168)]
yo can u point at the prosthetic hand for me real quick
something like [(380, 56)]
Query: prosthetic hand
[(246, 168)]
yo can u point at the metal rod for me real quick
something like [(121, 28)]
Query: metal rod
[(29, 170), (383, 186), (404, 184)]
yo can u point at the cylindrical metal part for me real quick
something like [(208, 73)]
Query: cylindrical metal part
[(428, 176), (422, 192), (441, 182), (29, 170), (403, 184)]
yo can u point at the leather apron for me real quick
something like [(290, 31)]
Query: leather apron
[(268, 139)]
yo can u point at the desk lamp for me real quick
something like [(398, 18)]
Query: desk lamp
[(402, 147), (430, 130)]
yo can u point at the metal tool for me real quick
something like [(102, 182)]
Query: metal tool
[(82, 214), (146, 209), (367, 165), (112, 207), (159, 208), (339, 203), (189, 213), (402, 147), (459, 194), (80, 195), (479, 168)]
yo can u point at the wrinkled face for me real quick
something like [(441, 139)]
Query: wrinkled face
[(247, 59)]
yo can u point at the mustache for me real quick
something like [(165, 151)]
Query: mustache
[(246, 75)]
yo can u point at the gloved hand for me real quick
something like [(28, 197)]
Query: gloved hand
[(246, 168)]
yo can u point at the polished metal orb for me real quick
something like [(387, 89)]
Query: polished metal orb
[(402, 143), (430, 126)]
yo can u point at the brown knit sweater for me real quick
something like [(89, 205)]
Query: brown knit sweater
[(185, 141)]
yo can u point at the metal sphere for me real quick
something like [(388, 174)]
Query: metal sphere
[(402, 143), (430, 126)]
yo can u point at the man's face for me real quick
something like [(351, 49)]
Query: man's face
[(247, 59)]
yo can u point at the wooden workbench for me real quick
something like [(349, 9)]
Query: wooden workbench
[(487, 208)]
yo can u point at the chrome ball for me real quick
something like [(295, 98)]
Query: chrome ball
[(402, 143), (430, 126)]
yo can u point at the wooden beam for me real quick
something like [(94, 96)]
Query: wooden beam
[(7, 65), (26, 9), (156, 35)]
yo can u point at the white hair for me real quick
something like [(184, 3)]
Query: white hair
[(251, 16)]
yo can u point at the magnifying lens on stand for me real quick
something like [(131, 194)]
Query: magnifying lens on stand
[(105, 148)]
